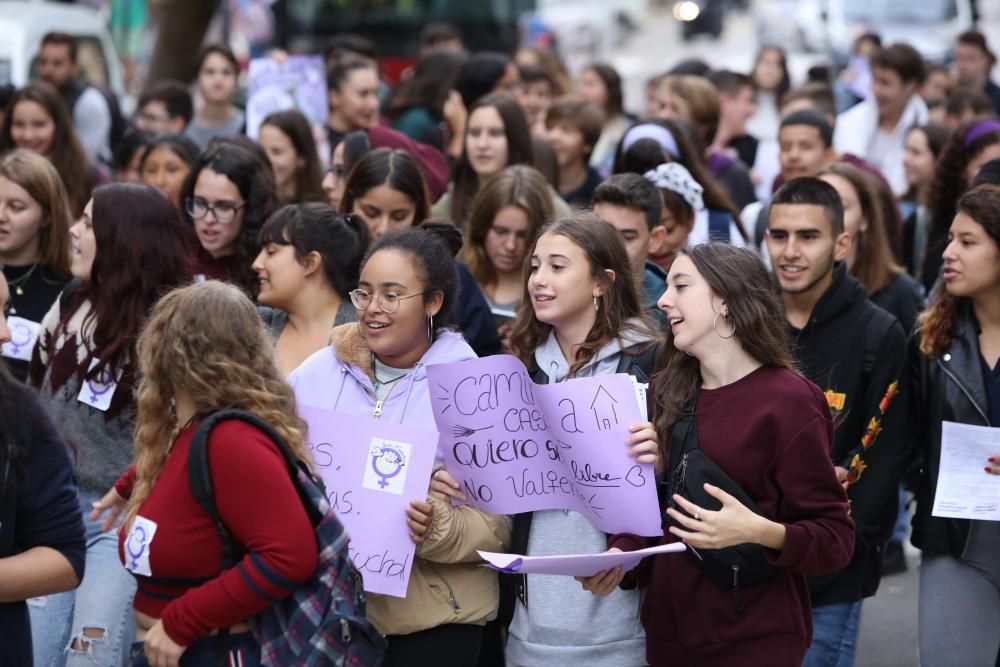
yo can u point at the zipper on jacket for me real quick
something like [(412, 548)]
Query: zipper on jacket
[(345, 631), (451, 594), (378, 409), (737, 594), (965, 391)]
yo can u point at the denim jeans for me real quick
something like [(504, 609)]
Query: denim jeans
[(102, 604), (240, 650), (902, 527), (835, 635)]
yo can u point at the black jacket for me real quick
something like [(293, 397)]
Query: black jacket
[(903, 298), (38, 504), (855, 352), (945, 388)]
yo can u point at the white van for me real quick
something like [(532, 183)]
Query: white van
[(23, 24)]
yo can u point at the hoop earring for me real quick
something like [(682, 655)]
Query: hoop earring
[(716, 330), (597, 305), (430, 328)]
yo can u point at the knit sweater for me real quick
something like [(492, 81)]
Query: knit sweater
[(101, 440)]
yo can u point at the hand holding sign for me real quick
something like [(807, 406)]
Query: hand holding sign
[(376, 476), (514, 446)]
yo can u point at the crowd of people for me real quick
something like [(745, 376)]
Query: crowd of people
[(806, 276)]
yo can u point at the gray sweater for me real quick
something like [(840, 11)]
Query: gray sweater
[(564, 624)]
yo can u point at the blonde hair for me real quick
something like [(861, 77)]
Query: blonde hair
[(42, 182), (697, 100), (207, 341)]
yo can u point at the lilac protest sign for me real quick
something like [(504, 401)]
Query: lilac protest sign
[(372, 470), (515, 446), (297, 83)]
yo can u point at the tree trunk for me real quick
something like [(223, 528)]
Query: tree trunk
[(183, 26)]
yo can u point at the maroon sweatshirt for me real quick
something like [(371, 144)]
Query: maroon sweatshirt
[(771, 432)]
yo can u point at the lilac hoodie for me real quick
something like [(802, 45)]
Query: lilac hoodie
[(338, 378)]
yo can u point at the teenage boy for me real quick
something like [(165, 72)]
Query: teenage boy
[(736, 106), (165, 107), (633, 206), (973, 63), (876, 129), (854, 351), (805, 143), (572, 127), (535, 97)]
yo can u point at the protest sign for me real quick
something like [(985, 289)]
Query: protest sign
[(515, 446), (577, 565), (297, 83), (372, 470)]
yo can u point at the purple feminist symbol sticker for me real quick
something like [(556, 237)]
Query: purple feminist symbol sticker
[(20, 335), (392, 458), (104, 383), (138, 536)]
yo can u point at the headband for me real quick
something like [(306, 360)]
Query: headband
[(676, 178), (657, 133), (979, 129)]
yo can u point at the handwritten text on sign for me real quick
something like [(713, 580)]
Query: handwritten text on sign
[(372, 470), (518, 447)]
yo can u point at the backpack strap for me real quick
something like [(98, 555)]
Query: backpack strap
[(877, 328), (200, 476)]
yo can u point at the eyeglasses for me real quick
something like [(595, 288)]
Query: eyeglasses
[(224, 212), (389, 303)]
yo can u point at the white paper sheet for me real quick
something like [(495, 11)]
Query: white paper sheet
[(964, 489), (583, 565)]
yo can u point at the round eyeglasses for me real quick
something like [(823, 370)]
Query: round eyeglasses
[(388, 302)]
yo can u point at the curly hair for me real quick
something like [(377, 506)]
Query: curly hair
[(949, 181), (249, 169), (937, 321), (222, 361)]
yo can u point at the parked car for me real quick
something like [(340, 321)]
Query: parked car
[(23, 24)]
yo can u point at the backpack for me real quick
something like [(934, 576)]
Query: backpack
[(323, 622)]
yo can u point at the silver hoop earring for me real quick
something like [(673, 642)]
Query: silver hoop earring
[(430, 328), (715, 322), (597, 304)]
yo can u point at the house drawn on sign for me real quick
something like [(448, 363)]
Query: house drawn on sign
[(604, 407)]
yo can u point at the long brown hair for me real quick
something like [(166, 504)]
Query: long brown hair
[(41, 181), (222, 361), (517, 185), (604, 249), (937, 321), (756, 311), (874, 264), (66, 152)]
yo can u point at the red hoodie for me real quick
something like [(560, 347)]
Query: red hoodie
[(771, 432)]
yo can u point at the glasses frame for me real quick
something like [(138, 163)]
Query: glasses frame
[(378, 297), (210, 208)]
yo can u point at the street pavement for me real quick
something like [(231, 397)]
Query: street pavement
[(888, 636)]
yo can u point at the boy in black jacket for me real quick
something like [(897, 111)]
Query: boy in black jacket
[(855, 352)]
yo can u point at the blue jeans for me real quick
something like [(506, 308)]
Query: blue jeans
[(241, 650), (101, 606), (902, 527), (835, 635)]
